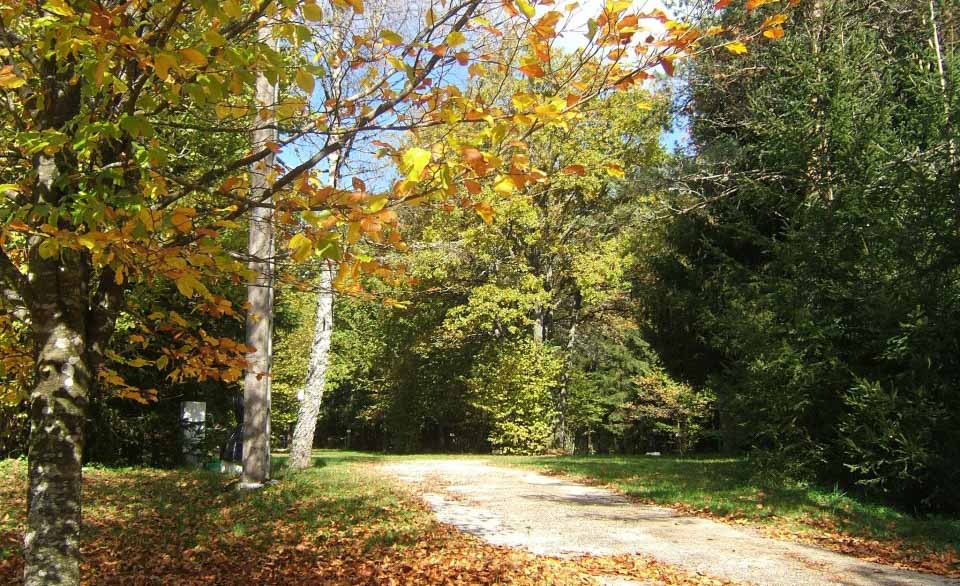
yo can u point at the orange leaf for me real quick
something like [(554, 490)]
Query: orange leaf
[(532, 70), (773, 33), (485, 211)]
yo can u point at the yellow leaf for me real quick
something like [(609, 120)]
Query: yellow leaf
[(232, 8), (526, 8), (736, 47), (613, 6), (162, 63), (377, 203), (774, 20), (305, 81), (415, 160), (522, 101), (615, 170), (504, 185), (353, 233), (59, 7), (9, 79), (87, 240), (193, 56), (146, 218), (301, 246), (357, 5), (312, 12), (455, 39), (185, 285), (390, 38)]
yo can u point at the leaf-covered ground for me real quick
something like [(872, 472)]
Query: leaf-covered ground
[(728, 489), (338, 523)]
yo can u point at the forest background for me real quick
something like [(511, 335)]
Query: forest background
[(783, 283)]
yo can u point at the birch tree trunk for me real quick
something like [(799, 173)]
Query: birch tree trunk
[(256, 382), (312, 394)]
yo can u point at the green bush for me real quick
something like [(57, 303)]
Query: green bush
[(514, 385)]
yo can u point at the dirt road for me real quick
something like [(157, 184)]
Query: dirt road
[(551, 516)]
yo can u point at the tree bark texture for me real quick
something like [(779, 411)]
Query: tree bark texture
[(58, 403), (71, 312), (256, 382), (316, 374)]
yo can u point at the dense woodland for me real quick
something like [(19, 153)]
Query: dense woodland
[(751, 248)]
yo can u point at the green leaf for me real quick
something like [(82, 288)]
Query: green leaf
[(305, 81), (136, 126), (591, 29), (49, 248), (312, 12)]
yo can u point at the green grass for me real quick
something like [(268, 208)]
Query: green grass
[(728, 487)]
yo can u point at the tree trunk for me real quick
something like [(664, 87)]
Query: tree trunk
[(316, 375), (938, 53), (540, 324), (256, 382), (311, 397), (58, 404), (818, 171)]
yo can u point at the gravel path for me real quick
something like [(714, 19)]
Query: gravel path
[(551, 516)]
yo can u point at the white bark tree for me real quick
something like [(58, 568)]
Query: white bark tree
[(312, 393)]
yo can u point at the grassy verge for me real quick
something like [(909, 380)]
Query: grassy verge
[(339, 522), (726, 488)]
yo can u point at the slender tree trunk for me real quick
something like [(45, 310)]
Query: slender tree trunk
[(565, 377), (938, 52), (817, 168), (256, 382), (316, 375), (311, 397), (58, 405)]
